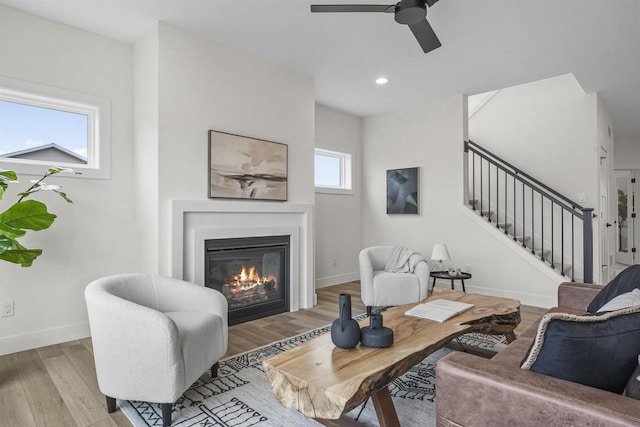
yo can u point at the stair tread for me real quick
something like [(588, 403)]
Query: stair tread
[(541, 255)]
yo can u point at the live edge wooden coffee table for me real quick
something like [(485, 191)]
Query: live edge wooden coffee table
[(324, 382)]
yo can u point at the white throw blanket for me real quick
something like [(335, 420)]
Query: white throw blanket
[(402, 260)]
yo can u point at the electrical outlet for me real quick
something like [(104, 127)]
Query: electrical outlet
[(334, 262), (7, 308)]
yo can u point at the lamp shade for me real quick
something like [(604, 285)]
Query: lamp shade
[(440, 252)]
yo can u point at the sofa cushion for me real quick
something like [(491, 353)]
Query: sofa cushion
[(598, 351), (622, 301), (633, 386), (626, 281)]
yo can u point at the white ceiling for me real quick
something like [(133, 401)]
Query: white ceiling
[(486, 45)]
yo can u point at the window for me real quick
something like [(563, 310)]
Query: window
[(333, 171), (42, 126)]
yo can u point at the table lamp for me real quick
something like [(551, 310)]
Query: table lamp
[(440, 253)]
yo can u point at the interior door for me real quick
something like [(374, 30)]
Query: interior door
[(626, 217), (605, 223)]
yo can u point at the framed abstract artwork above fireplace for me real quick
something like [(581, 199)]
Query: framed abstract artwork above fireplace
[(246, 168)]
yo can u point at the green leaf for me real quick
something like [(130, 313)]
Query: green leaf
[(8, 176), (5, 243), (64, 196), (30, 215), (11, 232), (24, 257)]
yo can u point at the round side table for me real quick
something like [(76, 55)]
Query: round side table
[(453, 277)]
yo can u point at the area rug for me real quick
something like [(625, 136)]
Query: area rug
[(241, 396)]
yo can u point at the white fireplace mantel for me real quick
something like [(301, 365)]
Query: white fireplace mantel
[(194, 221)]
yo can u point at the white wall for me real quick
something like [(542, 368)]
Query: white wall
[(430, 136), (537, 127), (204, 86), (94, 236), (145, 149), (338, 216), (627, 153)]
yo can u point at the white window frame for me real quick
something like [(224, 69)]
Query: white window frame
[(346, 171), (97, 110)]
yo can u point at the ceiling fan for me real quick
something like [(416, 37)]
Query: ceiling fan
[(407, 12)]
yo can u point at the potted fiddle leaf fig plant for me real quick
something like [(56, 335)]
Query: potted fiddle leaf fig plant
[(25, 214)]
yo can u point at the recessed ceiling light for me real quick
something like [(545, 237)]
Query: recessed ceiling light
[(382, 80)]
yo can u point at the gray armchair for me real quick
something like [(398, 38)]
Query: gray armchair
[(386, 288), (154, 336)]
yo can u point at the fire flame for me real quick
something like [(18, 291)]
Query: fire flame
[(250, 277)]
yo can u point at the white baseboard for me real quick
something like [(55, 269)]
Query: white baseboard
[(336, 280), (45, 337), (534, 300)]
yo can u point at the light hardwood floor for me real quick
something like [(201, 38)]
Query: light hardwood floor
[(56, 385)]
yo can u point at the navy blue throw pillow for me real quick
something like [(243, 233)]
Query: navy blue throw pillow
[(598, 351), (626, 281)]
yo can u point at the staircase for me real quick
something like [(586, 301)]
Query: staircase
[(554, 229)]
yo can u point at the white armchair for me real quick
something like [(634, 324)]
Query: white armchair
[(384, 288), (154, 336)]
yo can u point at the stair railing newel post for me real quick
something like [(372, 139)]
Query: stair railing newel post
[(587, 237), (562, 239), (552, 238), (573, 247), (505, 203), (489, 190), (515, 230), (542, 227)]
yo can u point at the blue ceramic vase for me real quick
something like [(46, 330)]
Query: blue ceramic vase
[(345, 332), (376, 335)]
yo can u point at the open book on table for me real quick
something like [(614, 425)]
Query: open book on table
[(438, 310)]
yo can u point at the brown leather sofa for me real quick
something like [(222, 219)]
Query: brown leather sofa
[(474, 391)]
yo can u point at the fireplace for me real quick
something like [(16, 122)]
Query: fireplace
[(252, 273)]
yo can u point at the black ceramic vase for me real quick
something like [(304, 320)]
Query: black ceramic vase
[(345, 332), (376, 335)]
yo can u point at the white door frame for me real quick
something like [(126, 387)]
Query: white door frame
[(604, 222)]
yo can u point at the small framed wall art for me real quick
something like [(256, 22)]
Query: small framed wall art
[(246, 168), (402, 191)]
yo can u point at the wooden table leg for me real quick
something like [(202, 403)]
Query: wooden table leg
[(343, 421), (383, 404), (386, 412)]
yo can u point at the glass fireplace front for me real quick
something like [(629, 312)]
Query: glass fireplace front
[(252, 273)]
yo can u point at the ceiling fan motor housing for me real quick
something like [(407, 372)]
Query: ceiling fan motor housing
[(410, 12)]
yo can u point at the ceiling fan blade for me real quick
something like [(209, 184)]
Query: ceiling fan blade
[(425, 35), (352, 8)]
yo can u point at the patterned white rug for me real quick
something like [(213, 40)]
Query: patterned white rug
[(241, 396)]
